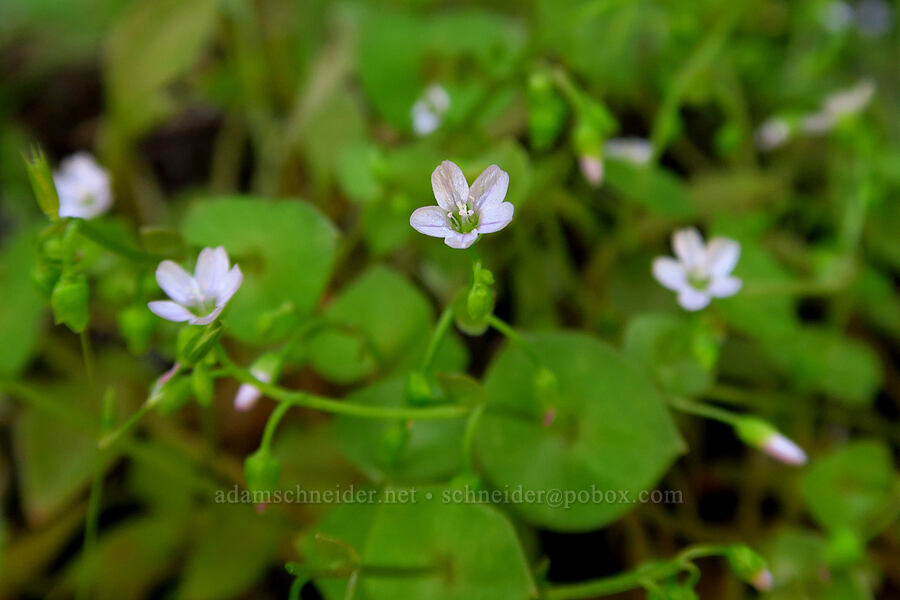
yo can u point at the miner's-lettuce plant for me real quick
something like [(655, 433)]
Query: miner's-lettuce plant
[(539, 369)]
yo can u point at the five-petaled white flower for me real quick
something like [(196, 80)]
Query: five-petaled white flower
[(429, 110), (197, 299), (702, 271), (83, 187), (463, 213)]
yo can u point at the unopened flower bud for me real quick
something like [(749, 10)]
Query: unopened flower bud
[(261, 471), (750, 567), (546, 111), (588, 145), (759, 433), (394, 442), (194, 343), (266, 369), (70, 302), (546, 390), (418, 389), (479, 302), (202, 385), (41, 178)]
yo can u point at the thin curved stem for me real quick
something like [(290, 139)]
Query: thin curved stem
[(440, 330), (272, 425), (703, 410), (651, 572), (515, 337), (469, 437), (306, 400)]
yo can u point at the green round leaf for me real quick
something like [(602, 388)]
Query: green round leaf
[(847, 487), (285, 249), (612, 431), (434, 450), (472, 548)]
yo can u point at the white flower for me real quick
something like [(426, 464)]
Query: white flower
[(248, 394), (83, 187), (839, 105), (429, 110), (875, 17), (783, 449), (199, 299), (837, 16), (463, 213), (702, 271), (773, 133), (592, 168), (635, 150)]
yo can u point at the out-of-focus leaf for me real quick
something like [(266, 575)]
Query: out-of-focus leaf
[(379, 322), (652, 187), (826, 361), (474, 542), (21, 304), (338, 124), (611, 430), (232, 547), (285, 250), (132, 558), (433, 451), (846, 488), (152, 44), (680, 357)]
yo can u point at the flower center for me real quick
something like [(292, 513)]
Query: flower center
[(698, 279), (464, 219)]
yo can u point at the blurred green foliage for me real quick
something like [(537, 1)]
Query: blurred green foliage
[(284, 132)]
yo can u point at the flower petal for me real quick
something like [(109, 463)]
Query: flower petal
[(494, 218), (430, 220), (176, 282), (170, 311), (207, 319), (211, 269), (489, 189), (722, 287), (688, 246), (246, 397), (424, 119), (460, 240), (670, 273), (228, 285), (691, 299), (721, 256), (449, 185)]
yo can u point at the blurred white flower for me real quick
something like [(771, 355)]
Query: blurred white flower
[(83, 187), (248, 394), (197, 299), (264, 369), (838, 16), (635, 150), (463, 213), (429, 110), (702, 272), (838, 105), (874, 17), (592, 168), (763, 580), (783, 449), (773, 133)]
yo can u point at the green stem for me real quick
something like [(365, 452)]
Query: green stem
[(703, 410), (110, 438), (324, 404), (272, 425), (634, 579), (440, 330), (91, 525), (515, 337), (469, 436)]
